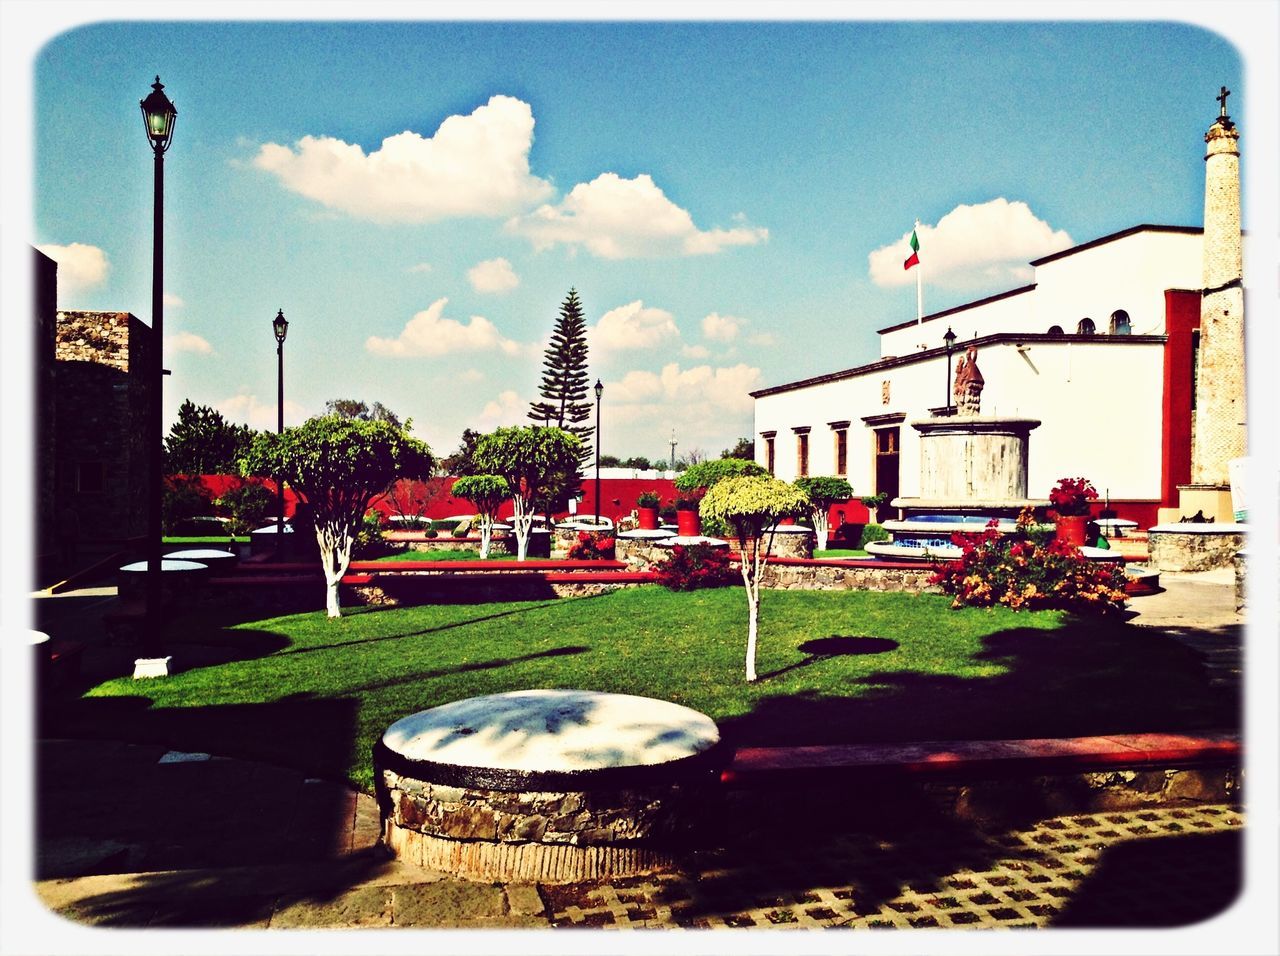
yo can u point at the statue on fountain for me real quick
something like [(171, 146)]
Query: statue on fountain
[(967, 389)]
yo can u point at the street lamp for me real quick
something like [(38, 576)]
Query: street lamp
[(280, 326), (158, 116), (599, 395), (950, 340)]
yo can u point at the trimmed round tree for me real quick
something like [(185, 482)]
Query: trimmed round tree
[(533, 461), (823, 492), (752, 505), (337, 466), (706, 473), (487, 493)]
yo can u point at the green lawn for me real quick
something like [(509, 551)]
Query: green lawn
[(840, 553), (300, 690), (207, 539)]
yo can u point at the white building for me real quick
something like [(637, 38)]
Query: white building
[(1100, 347)]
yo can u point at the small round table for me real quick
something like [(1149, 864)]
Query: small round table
[(213, 558), (545, 785)]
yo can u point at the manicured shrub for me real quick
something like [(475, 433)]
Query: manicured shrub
[(183, 499), (648, 499), (248, 506), (872, 532), (695, 566), (592, 546), (369, 543), (1030, 573)]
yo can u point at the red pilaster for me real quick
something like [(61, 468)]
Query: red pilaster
[(1181, 322)]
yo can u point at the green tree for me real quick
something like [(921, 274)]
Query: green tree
[(202, 442), (352, 408), (704, 474), (337, 466), (823, 492), (533, 461), (752, 505), (745, 448), (460, 463), (487, 493), (564, 377)]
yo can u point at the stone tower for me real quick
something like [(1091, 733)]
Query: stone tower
[(1219, 429)]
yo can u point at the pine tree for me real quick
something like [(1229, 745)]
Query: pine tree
[(564, 377)]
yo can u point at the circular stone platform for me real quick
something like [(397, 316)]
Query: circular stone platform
[(544, 785)]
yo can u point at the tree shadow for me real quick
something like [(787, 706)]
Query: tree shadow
[(822, 648)]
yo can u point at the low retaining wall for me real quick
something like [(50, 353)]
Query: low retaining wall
[(868, 575), (1194, 547)]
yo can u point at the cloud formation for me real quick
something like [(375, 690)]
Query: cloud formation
[(690, 393), (493, 276), (430, 334), (173, 300), (80, 266), (633, 326), (187, 342), (971, 247), (507, 409), (720, 328), (248, 409), (475, 165), (616, 218)]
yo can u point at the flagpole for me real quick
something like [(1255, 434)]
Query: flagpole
[(919, 289)]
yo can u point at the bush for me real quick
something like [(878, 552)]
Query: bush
[(648, 499), (592, 546), (667, 513), (248, 506), (183, 499), (706, 473), (369, 543), (1030, 573), (872, 532), (696, 566)]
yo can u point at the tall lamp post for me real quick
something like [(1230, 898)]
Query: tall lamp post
[(599, 395), (158, 116), (280, 326), (950, 340)]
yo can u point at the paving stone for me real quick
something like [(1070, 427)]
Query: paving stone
[(362, 906), (446, 903)]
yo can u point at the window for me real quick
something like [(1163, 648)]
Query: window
[(802, 454), (89, 477), (842, 451), (769, 460), (1055, 330), (1086, 327), (1120, 322)]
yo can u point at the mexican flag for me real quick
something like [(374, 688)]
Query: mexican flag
[(914, 259)]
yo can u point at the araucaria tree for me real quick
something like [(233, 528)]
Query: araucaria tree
[(337, 465), (752, 505), (487, 493), (531, 459), (564, 377), (823, 492)]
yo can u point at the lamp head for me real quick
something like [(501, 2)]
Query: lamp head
[(280, 325), (599, 390), (159, 116), (949, 338)]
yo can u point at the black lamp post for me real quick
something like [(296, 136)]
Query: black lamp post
[(599, 395), (158, 116), (950, 340), (280, 326)]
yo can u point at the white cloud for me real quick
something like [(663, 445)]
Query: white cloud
[(476, 165), (762, 338), (471, 376), (493, 276), (704, 403), (720, 328), (695, 351), (420, 267), (248, 409), (616, 218), (632, 326), (971, 246), (80, 266), (507, 409), (187, 342), (173, 300), (430, 334)]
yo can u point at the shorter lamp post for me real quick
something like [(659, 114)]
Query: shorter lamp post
[(599, 395), (950, 340), (280, 326)]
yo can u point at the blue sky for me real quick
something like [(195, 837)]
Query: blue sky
[(730, 200)]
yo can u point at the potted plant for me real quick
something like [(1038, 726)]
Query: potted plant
[(1069, 500), (647, 510), (688, 523), (872, 503)]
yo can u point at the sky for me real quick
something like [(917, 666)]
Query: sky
[(731, 201)]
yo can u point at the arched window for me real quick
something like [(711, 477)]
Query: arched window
[(1120, 322), (1086, 327), (1055, 330)]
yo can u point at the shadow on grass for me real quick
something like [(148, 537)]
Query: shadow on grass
[(821, 648), (468, 667)]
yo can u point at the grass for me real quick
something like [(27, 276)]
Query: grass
[(300, 690), (207, 539), (840, 553)]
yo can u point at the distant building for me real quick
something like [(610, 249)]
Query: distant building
[(1101, 347)]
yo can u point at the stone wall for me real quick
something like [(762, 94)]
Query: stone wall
[(1172, 549), (830, 577), (101, 409)]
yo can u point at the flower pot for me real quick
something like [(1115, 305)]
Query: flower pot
[(648, 518), (1069, 529), (688, 523)]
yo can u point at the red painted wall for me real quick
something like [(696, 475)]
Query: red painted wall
[(1182, 320)]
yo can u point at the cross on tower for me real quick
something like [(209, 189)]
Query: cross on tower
[(1222, 99)]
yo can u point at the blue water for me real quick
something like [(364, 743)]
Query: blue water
[(950, 519)]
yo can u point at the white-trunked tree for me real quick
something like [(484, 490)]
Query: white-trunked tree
[(337, 466), (752, 505), (823, 492), (533, 460), (487, 493)]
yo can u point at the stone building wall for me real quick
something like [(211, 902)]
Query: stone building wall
[(44, 417), (101, 408)]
